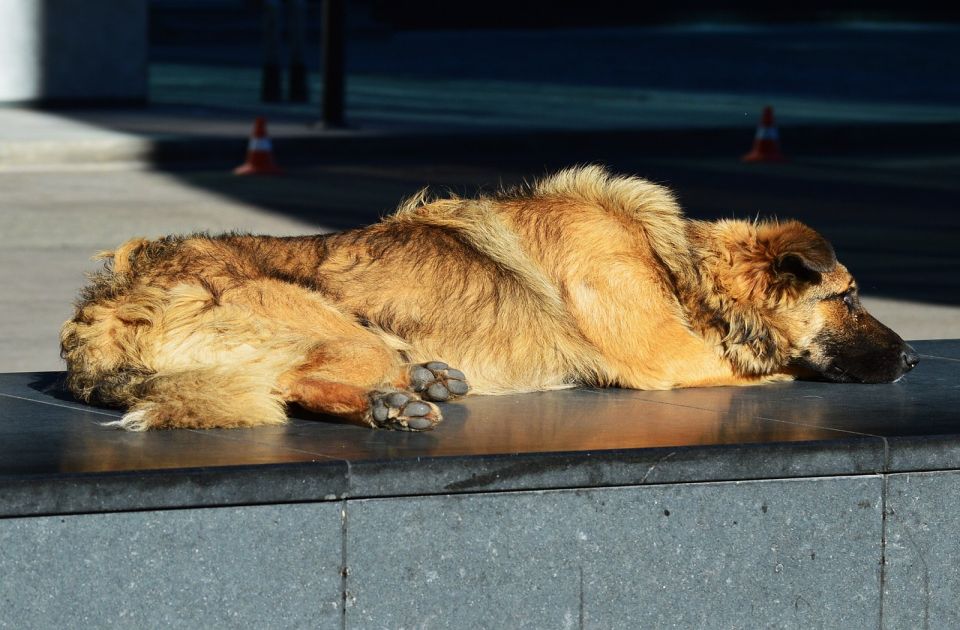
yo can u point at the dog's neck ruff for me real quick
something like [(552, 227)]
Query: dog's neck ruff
[(740, 332)]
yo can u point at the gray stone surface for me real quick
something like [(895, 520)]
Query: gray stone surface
[(944, 349), (166, 489), (923, 453), (533, 471), (800, 553), (922, 581), (252, 567)]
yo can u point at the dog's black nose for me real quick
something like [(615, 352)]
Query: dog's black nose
[(909, 357)]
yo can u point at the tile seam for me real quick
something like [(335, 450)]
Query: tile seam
[(883, 543), (45, 402)]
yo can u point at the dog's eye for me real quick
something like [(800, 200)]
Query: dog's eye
[(850, 299)]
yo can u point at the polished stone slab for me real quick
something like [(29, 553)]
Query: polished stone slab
[(942, 349), (922, 584), (57, 457), (925, 402), (249, 567), (759, 554)]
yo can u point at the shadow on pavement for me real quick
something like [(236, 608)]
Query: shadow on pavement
[(892, 219)]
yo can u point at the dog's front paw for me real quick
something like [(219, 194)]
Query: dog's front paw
[(438, 381), (402, 411)]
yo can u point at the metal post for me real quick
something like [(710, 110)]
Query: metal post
[(298, 90), (270, 77), (333, 63)]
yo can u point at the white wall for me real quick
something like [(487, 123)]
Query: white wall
[(73, 50)]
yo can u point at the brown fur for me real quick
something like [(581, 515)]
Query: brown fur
[(582, 278)]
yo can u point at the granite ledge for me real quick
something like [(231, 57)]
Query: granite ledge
[(80, 493), (609, 468), (87, 493)]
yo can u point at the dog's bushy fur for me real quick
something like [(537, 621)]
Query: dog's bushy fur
[(580, 278)]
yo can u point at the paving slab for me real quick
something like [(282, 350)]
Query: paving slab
[(797, 553), (922, 585), (214, 568)]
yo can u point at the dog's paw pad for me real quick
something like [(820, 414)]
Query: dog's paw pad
[(437, 392), (437, 381), (403, 411), (420, 378), (457, 387)]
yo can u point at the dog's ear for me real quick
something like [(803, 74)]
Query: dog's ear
[(795, 267), (797, 254)]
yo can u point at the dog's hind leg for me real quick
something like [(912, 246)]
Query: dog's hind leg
[(388, 408), (362, 379), (309, 351), (203, 398)]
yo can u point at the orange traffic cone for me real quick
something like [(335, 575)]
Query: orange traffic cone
[(259, 153), (766, 144)]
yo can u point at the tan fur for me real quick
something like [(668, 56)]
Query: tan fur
[(581, 278)]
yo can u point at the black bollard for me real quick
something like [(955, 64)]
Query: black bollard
[(333, 63), (270, 76), (298, 89)]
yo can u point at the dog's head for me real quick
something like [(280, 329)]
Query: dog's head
[(788, 304)]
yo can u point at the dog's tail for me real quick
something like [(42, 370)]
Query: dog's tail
[(101, 370), (202, 398)]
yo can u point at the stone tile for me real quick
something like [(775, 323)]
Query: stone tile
[(942, 348), (533, 471), (925, 402), (802, 553), (266, 566), (924, 452), (59, 460), (50, 435), (922, 583), (181, 488), (543, 422)]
